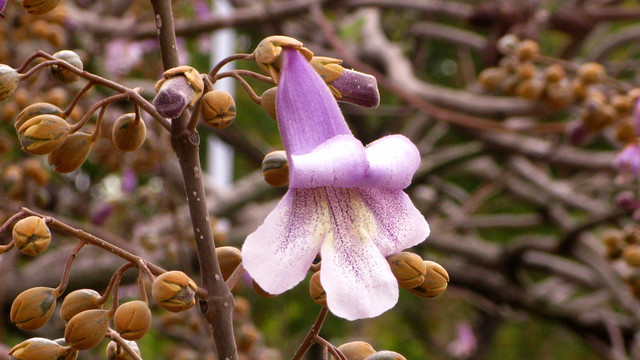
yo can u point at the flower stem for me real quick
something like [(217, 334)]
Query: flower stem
[(311, 335), (67, 269)]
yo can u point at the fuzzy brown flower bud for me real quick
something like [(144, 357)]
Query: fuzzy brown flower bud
[(316, 291), (43, 133), (218, 109), (385, 355), (491, 78), (33, 110), (631, 255), (129, 132), (275, 169), (132, 320), (33, 307), (435, 281), (229, 258), (9, 80), (356, 350), (591, 73), (554, 73), (63, 75), (31, 235), (86, 329), (268, 102), (116, 352), (408, 268), (179, 87), (72, 153), (267, 53), (78, 301), (527, 49), (174, 291), (39, 7), (41, 349)]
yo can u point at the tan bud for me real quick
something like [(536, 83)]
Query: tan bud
[(132, 320), (508, 43), (267, 53), (31, 235), (78, 301), (87, 329), (634, 94), (491, 78), (34, 169), (316, 291), (39, 7), (632, 236), (218, 109), (191, 74), (408, 268), (41, 349), (260, 291), (622, 103), (631, 255), (530, 89), (33, 110), (62, 74), (9, 80), (117, 352), (268, 102), (275, 169), (356, 350), (591, 73), (72, 153), (554, 73), (580, 89), (229, 258), (509, 84), (174, 291), (129, 132), (33, 307), (526, 70), (527, 49), (43, 133), (612, 239), (435, 281), (559, 95), (386, 355), (626, 131)]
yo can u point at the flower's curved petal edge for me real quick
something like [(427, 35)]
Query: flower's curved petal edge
[(392, 160), (399, 224), (278, 254), (354, 274), (340, 161), (308, 114)]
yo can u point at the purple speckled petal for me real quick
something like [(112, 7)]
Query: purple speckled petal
[(340, 161), (355, 275), (308, 115), (357, 88), (278, 254), (399, 225), (393, 160)]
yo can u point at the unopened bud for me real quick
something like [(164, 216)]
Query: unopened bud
[(491, 78), (132, 320), (527, 49), (85, 330), (275, 169), (41, 349), (117, 352), (31, 235), (631, 255), (385, 355), (559, 95), (554, 73), (612, 239), (508, 43), (39, 7), (9, 79), (316, 291), (356, 350), (33, 307), (356, 88), (267, 53), (78, 301), (72, 153), (33, 110), (268, 102), (229, 258), (174, 291), (63, 75), (591, 73), (408, 268), (218, 109), (129, 132), (179, 87), (626, 131), (43, 133), (530, 89), (435, 281)]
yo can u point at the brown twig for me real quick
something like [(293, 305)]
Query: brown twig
[(67, 269), (311, 335), (121, 342)]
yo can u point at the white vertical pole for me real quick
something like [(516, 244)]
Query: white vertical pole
[(219, 154)]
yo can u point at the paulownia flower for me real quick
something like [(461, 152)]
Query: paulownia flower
[(344, 201)]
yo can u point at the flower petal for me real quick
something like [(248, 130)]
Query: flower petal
[(392, 160), (356, 277), (308, 115), (399, 224), (340, 161), (278, 254)]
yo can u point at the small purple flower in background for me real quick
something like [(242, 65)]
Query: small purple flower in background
[(122, 55), (344, 201), (466, 343), (128, 180), (628, 161)]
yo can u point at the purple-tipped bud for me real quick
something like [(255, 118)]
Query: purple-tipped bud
[(626, 201), (357, 88), (174, 96), (628, 160), (577, 133)]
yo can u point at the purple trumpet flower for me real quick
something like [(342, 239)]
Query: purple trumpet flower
[(345, 201)]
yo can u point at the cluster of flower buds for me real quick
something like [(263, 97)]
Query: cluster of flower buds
[(360, 350), (624, 246), (423, 278)]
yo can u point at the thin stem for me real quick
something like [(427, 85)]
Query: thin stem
[(311, 335), (76, 98), (327, 345), (96, 132), (116, 287), (112, 282), (37, 68), (26, 63), (122, 343), (11, 220), (252, 94), (227, 60), (141, 288), (67, 269), (249, 73), (195, 115), (103, 102), (235, 276)]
